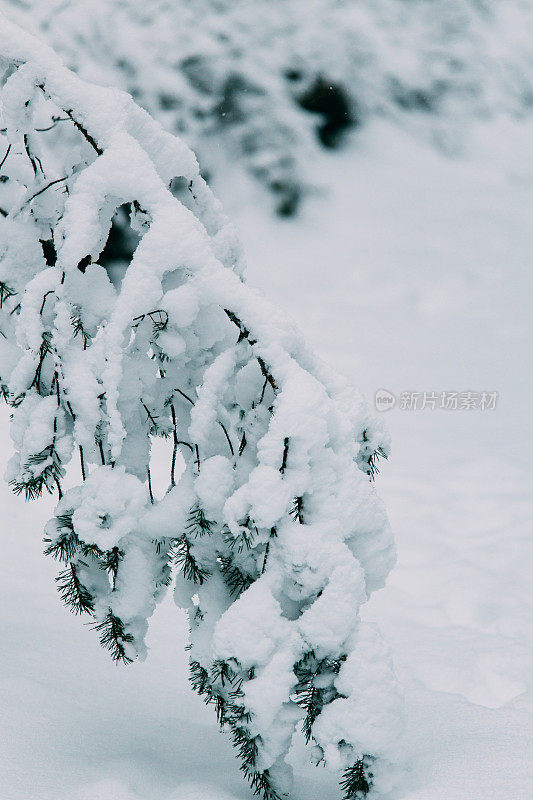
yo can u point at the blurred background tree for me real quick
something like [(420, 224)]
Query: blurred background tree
[(266, 83)]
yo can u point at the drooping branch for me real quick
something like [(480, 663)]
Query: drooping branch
[(264, 527)]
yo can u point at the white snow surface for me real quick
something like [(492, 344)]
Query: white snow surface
[(409, 274)]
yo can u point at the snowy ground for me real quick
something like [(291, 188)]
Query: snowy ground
[(408, 272)]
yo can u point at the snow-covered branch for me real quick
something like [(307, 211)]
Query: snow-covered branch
[(270, 516)]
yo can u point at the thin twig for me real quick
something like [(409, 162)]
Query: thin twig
[(273, 534), (84, 132), (219, 422), (264, 389), (266, 556), (185, 396), (78, 125), (50, 291), (186, 444), (150, 485), (285, 454), (175, 446), (54, 123), (58, 180), (227, 437), (150, 417), (3, 161), (82, 462), (28, 153)]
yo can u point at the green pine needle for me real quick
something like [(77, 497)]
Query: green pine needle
[(73, 593), (197, 523), (356, 781), (46, 479), (184, 559), (236, 581), (113, 637)]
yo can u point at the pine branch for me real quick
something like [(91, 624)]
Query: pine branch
[(114, 638), (79, 330), (223, 672), (197, 523), (199, 679), (261, 783), (149, 477), (297, 510), (184, 559), (73, 593), (244, 540), (44, 350), (221, 688), (373, 468), (66, 544), (273, 534), (370, 460), (236, 581), (45, 295), (46, 479), (227, 437), (5, 293), (356, 781), (310, 696), (159, 319), (110, 562)]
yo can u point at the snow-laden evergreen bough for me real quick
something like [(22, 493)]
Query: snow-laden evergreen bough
[(270, 521)]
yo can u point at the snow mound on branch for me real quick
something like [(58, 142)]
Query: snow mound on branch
[(108, 508)]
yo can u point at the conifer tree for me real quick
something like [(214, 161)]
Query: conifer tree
[(270, 522)]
